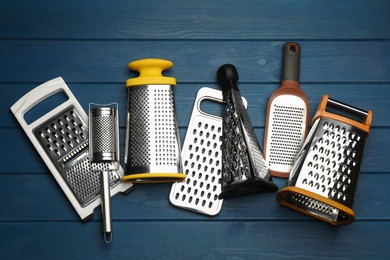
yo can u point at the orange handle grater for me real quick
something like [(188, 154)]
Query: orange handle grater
[(287, 117)]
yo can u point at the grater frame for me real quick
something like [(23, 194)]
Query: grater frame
[(202, 159), (33, 98), (323, 181), (152, 152), (244, 168), (287, 118)]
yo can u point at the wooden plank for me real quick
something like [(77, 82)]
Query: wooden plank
[(365, 96), (196, 240), (20, 148), (195, 61), (195, 20), (28, 197)]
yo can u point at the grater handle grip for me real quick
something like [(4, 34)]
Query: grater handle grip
[(291, 61), (346, 113), (38, 94), (227, 77), (150, 72), (106, 206), (337, 105)]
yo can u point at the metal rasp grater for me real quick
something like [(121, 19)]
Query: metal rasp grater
[(61, 138), (323, 180), (287, 116), (152, 152), (104, 150), (202, 159), (244, 169)]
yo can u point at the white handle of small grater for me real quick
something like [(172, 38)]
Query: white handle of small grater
[(37, 95), (211, 94)]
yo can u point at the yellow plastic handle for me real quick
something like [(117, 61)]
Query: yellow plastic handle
[(150, 72)]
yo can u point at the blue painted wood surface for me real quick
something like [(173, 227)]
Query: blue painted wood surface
[(345, 53)]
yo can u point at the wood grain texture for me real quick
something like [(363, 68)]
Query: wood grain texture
[(176, 19), (194, 61), (197, 240), (345, 54)]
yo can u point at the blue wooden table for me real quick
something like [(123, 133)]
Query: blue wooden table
[(345, 54)]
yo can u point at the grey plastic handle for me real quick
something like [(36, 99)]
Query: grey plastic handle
[(291, 61)]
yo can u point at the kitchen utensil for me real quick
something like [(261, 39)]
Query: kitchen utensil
[(243, 166), (202, 159), (152, 152), (323, 180), (104, 149), (61, 138), (287, 117)]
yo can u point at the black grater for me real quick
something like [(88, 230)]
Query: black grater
[(244, 169), (323, 180)]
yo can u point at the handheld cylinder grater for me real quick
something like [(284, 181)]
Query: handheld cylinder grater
[(287, 116), (323, 181), (61, 138), (202, 159)]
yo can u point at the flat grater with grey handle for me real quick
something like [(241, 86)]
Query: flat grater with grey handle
[(61, 138), (244, 169), (202, 159), (152, 152), (287, 117), (322, 183)]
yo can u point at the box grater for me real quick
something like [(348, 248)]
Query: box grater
[(287, 116), (61, 138), (202, 159), (323, 180), (152, 152), (244, 169)]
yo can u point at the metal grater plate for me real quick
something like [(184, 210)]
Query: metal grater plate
[(152, 140), (64, 138), (333, 162), (202, 166), (286, 132), (202, 159)]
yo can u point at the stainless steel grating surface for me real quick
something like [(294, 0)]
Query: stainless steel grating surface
[(333, 161), (65, 140), (202, 160)]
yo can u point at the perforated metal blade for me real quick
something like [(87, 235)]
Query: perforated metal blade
[(286, 131), (61, 138), (287, 117), (202, 157)]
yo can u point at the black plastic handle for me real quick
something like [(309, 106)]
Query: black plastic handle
[(291, 61), (227, 77)]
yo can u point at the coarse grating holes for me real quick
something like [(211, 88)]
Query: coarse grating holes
[(55, 141), (202, 160), (333, 162), (71, 145), (312, 205)]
